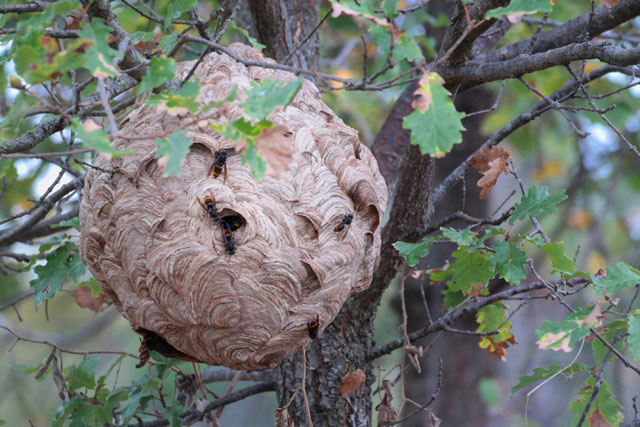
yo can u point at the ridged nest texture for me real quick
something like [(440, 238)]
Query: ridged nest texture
[(162, 261)]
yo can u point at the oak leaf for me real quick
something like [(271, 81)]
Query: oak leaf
[(597, 419), (84, 299), (491, 162), (386, 412), (498, 348), (352, 382)]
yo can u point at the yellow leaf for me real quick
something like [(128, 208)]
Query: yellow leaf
[(548, 169), (579, 218)]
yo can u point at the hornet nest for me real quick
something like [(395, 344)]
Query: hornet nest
[(164, 260)]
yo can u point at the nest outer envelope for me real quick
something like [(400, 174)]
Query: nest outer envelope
[(161, 260)]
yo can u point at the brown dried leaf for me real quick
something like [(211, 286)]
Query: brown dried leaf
[(341, 10), (422, 95), (276, 146), (150, 45), (386, 412), (491, 162), (84, 299), (551, 338), (352, 382), (89, 125), (597, 419), (608, 3), (592, 319), (476, 289), (417, 273), (281, 418), (499, 348), (433, 420), (75, 19), (516, 17), (579, 218)]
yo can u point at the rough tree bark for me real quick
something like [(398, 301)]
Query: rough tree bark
[(283, 25)]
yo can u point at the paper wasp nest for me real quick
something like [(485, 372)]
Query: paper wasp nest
[(161, 258)]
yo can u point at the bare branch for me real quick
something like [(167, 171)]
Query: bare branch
[(453, 315), (584, 27)]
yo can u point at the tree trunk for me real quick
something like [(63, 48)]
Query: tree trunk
[(464, 363), (283, 25)]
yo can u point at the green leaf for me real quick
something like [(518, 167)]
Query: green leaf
[(362, 7), (565, 334), (84, 374), (42, 249), (621, 277), (609, 331), (521, 6), (184, 98), (37, 64), (96, 139), (451, 298), (492, 317), (407, 49), (257, 164), (73, 222), (510, 261), (465, 237), (536, 202), (489, 390), (8, 170), (91, 284), (389, 7), (540, 374), (404, 48), (242, 130), (177, 8), (381, 38), (468, 269), (139, 393), (161, 71), (65, 261), (33, 62), (634, 335), (413, 252), (175, 147), (262, 99), (100, 56), (168, 42), (254, 43), (436, 125), (230, 98), (561, 263), (604, 402)]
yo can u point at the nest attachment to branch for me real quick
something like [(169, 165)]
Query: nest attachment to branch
[(248, 286)]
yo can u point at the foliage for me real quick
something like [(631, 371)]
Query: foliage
[(434, 124)]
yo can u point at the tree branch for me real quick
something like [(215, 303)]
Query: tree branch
[(474, 74), (219, 403), (44, 130), (443, 322), (558, 96), (586, 26), (13, 234)]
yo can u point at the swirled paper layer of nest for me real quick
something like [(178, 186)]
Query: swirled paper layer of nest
[(161, 259)]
